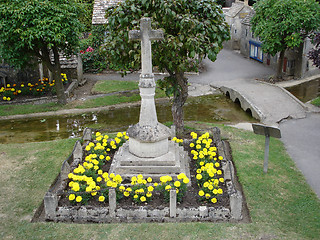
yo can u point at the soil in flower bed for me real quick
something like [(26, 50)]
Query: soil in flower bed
[(190, 199)]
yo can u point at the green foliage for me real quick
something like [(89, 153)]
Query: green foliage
[(316, 101), (283, 24), (193, 30), (93, 54), (39, 29), (26, 27)]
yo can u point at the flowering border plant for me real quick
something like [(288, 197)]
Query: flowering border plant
[(89, 181), (43, 86)]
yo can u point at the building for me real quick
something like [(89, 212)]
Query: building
[(296, 62)]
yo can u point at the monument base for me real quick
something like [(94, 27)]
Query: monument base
[(174, 162)]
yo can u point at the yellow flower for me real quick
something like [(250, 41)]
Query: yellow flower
[(208, 195), (220, 158), (135, 196), (186, 180), (72, 197), (192, 145), (78, 199), (168, 187), (220, 191), (199, 176), (126, 194), (99, 179), (217, 164), (215, 191), (150, 188), (221, 180), (143, 199), (98, 134), (201, 193), (149, 179), (181, 176), (177, 184), (213, 200), (101, 199), (155, 184)]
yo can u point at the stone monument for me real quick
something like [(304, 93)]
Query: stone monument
[(148, 151)]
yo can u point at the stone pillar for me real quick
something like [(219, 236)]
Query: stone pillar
[(112, 202), (173, 203), (79, 68), (50, 205)]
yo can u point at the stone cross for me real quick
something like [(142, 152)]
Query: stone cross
[(148, 138), (145, 35)]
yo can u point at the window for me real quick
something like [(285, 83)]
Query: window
[(256, 51)]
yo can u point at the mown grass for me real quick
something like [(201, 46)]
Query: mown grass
[(281, 204), (103, 87), (114, 86), (316, 101)]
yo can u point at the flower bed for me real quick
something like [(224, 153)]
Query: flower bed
[(90, 193), (41, 88)]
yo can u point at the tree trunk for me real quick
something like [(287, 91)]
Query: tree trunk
[(62, 99), (179, 100), (280, 65)]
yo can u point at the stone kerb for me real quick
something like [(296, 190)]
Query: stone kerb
[(112, 213)]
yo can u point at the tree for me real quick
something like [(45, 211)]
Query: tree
[(283, 24), (314, 54), (39, 28), (193, 30)]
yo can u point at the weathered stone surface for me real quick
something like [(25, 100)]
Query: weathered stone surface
[(216, 134), (220, 213), (77, 151), (203, 211), (173, 203), (87, 134), (188, 212), (112, 202), (158, 213), (50, 205), (236, 206)]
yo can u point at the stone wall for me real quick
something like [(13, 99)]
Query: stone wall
[(112, 213)]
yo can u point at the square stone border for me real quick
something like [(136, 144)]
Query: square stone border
[(112, 214)]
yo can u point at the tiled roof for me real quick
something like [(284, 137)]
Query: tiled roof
[(247, 19), (235, 9), (99, 9)]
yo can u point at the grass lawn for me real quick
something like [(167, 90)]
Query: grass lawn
[(114, 86), (281, 204), (100, 87)]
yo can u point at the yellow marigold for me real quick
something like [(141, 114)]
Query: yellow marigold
[(177, 184), (99, 179), (186, 180), (72, 197), (199, 176), (78, 199), (149, 179), (221, 180), (220, 191), (101, 199), (126, 194), (143, 199), (168, 187), (201, 193), (213, 200), (150, 188)]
